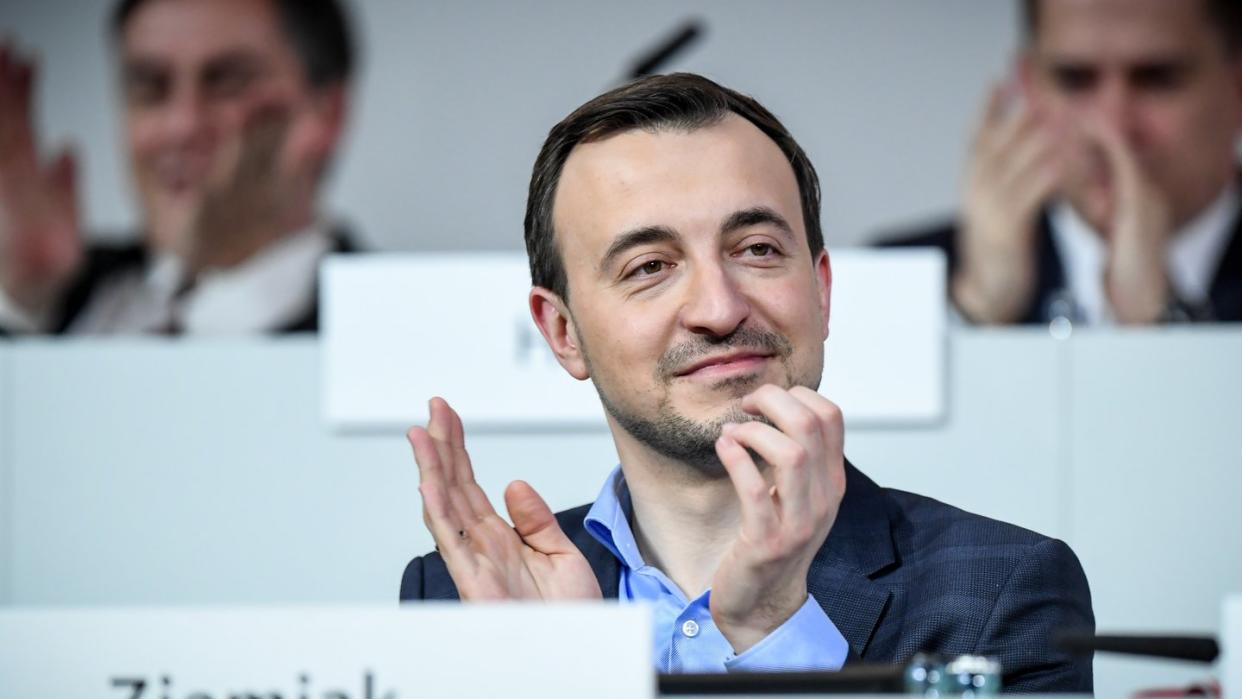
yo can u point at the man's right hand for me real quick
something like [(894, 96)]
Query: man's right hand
[(487, 558), (1014, 169), (40, 242)]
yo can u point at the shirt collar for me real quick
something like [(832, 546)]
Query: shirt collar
[(1191, 260), (270, 288), (608, 520)]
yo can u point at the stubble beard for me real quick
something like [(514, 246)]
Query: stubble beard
[(692, 443)]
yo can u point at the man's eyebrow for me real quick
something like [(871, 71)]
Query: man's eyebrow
[(634, 238), (755, 216), (142, 66)]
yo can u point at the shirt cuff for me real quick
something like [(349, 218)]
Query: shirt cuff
[(808, 640)]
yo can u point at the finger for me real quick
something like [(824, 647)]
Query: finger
[(63, 178), (16, 81), (1014, 130), (791, 463), (465, 470), (445, 514), (831, 420), (1037, 154), (432, 469), (1024, 153), (788, 459), (439, 426), (787, 413), (263, 135), (1041, 182), (446, 429), (997, 104), (6, 83), (830, 417), (439, 518), (23, 104), (753, 492), (1121, 160), (534, 522)]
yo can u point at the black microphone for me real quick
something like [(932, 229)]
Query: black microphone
[(851, 679), (652, 60), (1198, 648)]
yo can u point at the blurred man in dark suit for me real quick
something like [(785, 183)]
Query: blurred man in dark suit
[(677, 261), (232, 112), (1103, 183)]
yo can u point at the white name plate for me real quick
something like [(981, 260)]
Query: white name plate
[(400, 328), (416, 651), (1231, 647)]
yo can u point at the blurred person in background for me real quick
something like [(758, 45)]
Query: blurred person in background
[(1102, 185), (232, 112)]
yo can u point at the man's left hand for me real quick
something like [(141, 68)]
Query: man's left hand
[(1139, 226), (787, 511)]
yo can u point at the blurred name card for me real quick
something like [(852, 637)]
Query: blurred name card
[(1231, 646), (398, 329), (416, 651)]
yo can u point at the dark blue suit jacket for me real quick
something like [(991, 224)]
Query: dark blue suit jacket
[(900, 574)]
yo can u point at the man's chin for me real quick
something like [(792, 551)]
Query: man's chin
[(713, 418), (168, 218)]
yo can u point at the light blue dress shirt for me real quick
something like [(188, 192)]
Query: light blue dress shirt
[(686, 638)]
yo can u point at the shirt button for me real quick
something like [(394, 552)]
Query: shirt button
[(690, 628)]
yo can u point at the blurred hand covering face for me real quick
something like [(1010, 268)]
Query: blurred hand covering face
[(1159, 75), (1129, 110)]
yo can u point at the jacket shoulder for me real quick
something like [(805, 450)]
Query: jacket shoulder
[(940, 234), (986, 587)]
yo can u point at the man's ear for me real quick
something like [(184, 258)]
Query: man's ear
[(552, 316), (333, 110), (823, 284)]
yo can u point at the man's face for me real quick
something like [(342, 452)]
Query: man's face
[(196, 74), (691, 280), (1158, 72)]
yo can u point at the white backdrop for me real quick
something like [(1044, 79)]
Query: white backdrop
[(456, 97)]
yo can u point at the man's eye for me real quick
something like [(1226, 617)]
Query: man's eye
[(1070, 79), (145, 90), (761, 249), (1160, 78), (651, 267), (228, 83)]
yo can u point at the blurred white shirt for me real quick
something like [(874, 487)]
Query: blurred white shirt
[(266, 292), (1193, 256)]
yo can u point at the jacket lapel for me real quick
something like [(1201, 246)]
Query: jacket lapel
[(1226, 290), (859, 546)]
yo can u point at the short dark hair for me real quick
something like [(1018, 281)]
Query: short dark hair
[(319, 31), (1224, 15), (681, 101)]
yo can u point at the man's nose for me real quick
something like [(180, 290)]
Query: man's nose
[(1117, 104), (184, 120), (716, 305)]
